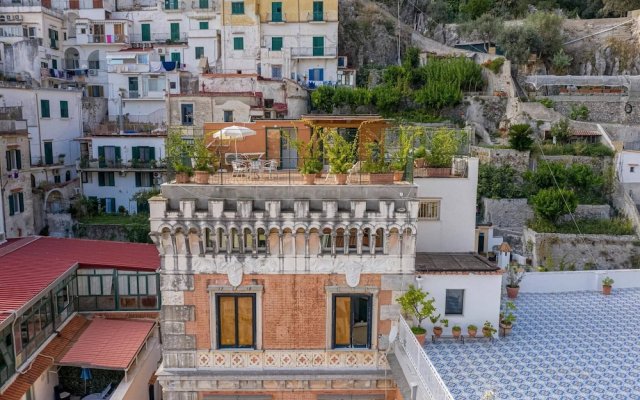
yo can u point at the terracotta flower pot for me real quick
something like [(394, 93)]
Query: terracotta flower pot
[(456, 334), (341, 179), (397, 176), (309, 179), (486, 332), (472, 332), (381, 179), (437, 330), (182, 177), (419, 162), (506, 328), (438, 172), (512, 292), (201, 177), (606, 290), (421, 337)]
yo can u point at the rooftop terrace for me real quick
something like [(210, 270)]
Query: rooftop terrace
[(579, 345)]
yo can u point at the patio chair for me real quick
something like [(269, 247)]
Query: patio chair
[(270, 166), (354, 170), (255, 168), (240, 168), (105, 394)]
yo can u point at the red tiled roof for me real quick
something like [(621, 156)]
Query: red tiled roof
[(40, 364), (29, 265), (108, 344)]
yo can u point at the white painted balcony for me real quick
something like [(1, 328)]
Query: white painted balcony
[(314, 52)]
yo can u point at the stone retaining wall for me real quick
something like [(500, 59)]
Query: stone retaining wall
[(519, 160), (582, 252), (601, 109)]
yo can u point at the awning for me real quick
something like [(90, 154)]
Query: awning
[(108, 344)]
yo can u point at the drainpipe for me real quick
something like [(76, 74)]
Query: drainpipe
[(46, 173)]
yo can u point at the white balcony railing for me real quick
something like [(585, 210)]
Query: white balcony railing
[(326, 51), (430, 380)]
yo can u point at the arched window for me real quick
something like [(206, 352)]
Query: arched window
[(394, 242), (222, 240), (248, 241), (262, 241), (339, 240), (180, 243), (300, 242), (379, 240), (287, 242), (326, 240), (167, 246), (314, 242), (353, 240), (208, 241), (194, 242), (235, 240), (274, 241)]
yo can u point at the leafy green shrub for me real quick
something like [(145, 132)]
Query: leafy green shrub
[(580, 113), (494, 65), (547, 102), (588, 185), (577, 149), (444, 145), (561, 62), (562, 131), (498, 182), (551, 203), (520, 137), (322, 98)]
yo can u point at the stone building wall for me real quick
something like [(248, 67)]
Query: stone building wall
[(601, 109), (583, 251), (519, 160)]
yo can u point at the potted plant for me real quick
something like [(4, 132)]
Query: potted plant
[(178, 152), (456, 331), (61, 158), (376, 165), (398, 170), (607, 282), (488, 330), (507, 318), (437, 328), (419, 156), (515, 273), (202, 160), (310, 154), (93, 163), (415, 303), (444, 146), (340, 154), (405, 142), (472, 330)]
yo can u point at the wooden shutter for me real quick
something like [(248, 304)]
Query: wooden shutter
[(152, 153), (18, 159), (21, 201), (10, 201), (118, 156), (342, 321), (135, 151), (101, 178), (112, 178), (138, 179), (113, 204), (8, 158)]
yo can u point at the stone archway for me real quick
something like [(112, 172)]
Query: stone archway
[(72, 58)]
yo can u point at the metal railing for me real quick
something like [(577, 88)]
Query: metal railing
[(135, 5), (108, 39), (326, 51), (276, 17), (430, 380), (86, 163), (319, 16), (159, 37)]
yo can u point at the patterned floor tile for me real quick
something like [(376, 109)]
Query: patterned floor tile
[(579, 345)]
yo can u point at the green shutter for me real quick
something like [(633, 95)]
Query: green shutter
[(8, 158), (238, 43), (276, 43), (21, 201), (44, 109), (113, 204), (48, 153), (152, 153), (318, 45), (276, 11), (175, 31), (237, 7), (135, 151), (318, 11), (103, 162), (203, 4), (18, 159), (138, 179), (204, 25), (175, 57), (112, 178), (64, 109), (146, 32), (101, 178), (103, 204), (10, 201), (118, 154), (199, 52)]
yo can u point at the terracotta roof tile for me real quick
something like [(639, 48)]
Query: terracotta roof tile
[(108, 344)]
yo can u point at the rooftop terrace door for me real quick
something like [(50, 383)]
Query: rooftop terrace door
[(279, 147)]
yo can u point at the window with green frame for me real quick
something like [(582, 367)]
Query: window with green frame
[(238, 43), (34, 328), (276, 43), (96, 289), (237, 7), (199, 52), (203, 25), (318, 45), (137, 290), (45, 112), (65, 299), (318, 11), (7, 360), (203, 4)]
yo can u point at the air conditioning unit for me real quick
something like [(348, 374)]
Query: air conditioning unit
[(18, 17), (156, 174), (160, 51), (9, 17), (93, 72)]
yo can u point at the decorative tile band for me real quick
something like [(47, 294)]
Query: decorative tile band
[(292, 359)]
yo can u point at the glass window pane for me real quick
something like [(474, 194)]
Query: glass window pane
[(151, 284), (454, 301), (227, 320), (245, 321), (342, 321), (94, 287), (360, 321)]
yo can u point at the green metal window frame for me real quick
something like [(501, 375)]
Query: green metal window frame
[(146, 32), (203, 25), (276, 11), (318, 45), (7, 358), (45, 111), (238, 43), (318, 11), (34, 328), (237, 7), (199, 52), (203, 4)]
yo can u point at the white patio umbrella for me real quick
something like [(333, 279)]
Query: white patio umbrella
[(234, 133)]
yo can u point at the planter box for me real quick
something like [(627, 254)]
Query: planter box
[(438, 172), (381, 179)]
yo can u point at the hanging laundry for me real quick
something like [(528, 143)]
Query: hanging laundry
[(169, 65), (155, 66)]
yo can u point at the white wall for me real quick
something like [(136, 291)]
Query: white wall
[(127, 144), (624, 161), (574, 281), (137, 386), (455, 231), (481, 298), (43, 387)]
